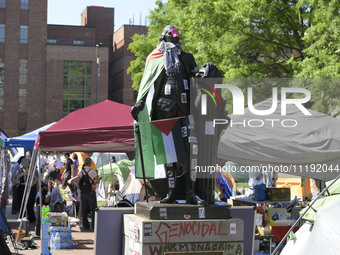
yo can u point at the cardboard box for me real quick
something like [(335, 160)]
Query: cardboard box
[(278, 194)]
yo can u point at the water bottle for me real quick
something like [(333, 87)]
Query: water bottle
[(234, 192), (57, 241), (243, 191), (52, 242)]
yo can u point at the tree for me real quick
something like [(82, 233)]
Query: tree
[(254, 39)]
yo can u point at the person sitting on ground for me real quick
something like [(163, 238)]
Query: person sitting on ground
[(54, 198)]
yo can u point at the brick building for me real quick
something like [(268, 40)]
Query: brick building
[(48, 71), (122, 90)]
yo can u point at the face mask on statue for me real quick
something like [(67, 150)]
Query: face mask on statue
[(170, 34)]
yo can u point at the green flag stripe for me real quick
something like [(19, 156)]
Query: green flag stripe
[(158, 145)]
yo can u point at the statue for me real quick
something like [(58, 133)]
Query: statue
[(166, 87)]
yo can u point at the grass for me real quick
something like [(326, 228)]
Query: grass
[(239, 185)]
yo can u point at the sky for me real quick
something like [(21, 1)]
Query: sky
[(68, 12)]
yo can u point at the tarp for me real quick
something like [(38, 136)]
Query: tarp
[(322, 238), (26, 140), (102, 159), (314, 140), (121, 168), (106, 127)]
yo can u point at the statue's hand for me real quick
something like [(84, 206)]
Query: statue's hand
[(135, 110)]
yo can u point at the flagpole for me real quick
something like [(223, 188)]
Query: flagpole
[(142, 161)]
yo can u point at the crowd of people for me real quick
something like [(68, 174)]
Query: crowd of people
[(60, 175)]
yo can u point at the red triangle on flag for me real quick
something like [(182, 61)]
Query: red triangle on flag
[(165, 126)]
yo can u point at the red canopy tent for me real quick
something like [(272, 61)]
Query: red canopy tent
[(103, 127)]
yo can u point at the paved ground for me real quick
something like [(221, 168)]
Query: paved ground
[(83, 241)]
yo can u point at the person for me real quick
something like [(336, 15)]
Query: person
[(68, 173), (76, 164), (88, 196), (43, 161), (170, 99), (112, 159), (225, 183), (44, 192), (28, 155), (114, 194), (56, 161), (52, 173), (20, 178), (15, 198)]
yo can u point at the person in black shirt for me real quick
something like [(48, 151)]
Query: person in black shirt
[(68, 173)]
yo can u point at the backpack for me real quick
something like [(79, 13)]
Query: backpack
[(85, 183)]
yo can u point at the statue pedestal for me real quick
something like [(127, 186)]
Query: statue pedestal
[(158, 211), (182, 229)]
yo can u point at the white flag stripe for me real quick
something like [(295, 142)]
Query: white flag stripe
[(169, 147), (159, 171), (149, 98)]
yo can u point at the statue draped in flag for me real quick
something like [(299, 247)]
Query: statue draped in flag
[(162, 110)]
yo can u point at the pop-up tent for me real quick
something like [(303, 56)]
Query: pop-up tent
[(102, 127), (320, 238), (307, 146), (26, 140)]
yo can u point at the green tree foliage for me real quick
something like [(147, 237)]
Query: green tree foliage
[(254, 39)]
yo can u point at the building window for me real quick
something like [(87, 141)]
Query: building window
[(23, 34), (24, 4), (2, 33), (77, 85), (23, 85), (21, 131), (51, 41), (2, 3), (78, 42), (2, 80)]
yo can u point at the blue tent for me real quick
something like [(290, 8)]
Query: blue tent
[(26, 140)]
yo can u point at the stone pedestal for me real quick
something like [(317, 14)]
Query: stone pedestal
[(145, 236), (158, 211)]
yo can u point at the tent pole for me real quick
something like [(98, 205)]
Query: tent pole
[(101, 155), (40, 204), (1, 169), (28, 187), (111, 168), (308, 207), (142, 162)]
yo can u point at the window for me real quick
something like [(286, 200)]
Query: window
[(77, 85), (24, 4), (23, 85), (21, 131), (78, 42), (23, 34), (2, 33), (51, 41), (2, 3), (2, 80)]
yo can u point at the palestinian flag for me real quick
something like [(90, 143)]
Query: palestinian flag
[(3, 137), (153, 68), (167, 141)]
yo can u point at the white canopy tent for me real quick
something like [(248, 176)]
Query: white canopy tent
[(322, 238), (309, 149)]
